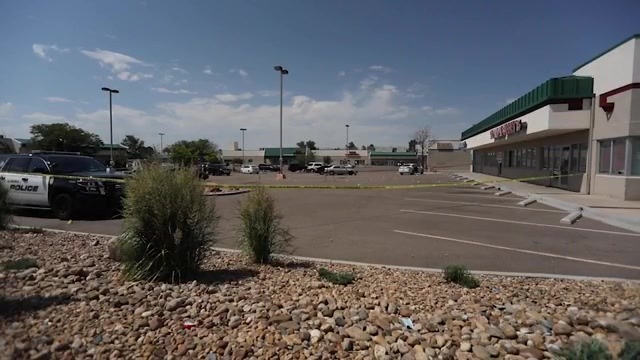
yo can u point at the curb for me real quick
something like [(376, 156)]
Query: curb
[(384, 266), (623, 222), (228, 193)]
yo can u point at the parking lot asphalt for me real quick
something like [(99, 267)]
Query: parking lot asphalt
[(422, 227)]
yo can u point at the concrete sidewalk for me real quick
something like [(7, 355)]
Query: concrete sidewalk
[(620, 213)]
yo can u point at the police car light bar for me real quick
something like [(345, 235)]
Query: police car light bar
[(55, 152)]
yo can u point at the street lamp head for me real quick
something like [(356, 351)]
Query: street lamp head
[(114, 91), (243, 129), (285, 72), (347, 125), (277, 68)]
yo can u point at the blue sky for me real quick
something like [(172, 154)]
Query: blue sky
[(204, 69)]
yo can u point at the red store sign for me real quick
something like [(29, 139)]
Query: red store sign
[(509, 128)]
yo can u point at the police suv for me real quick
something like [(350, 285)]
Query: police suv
[(67, 183)]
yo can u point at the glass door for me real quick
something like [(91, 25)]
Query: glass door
[(564, 166)]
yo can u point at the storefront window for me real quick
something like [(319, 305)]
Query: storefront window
[(534, 158), (545, 158), (582, 163), (575, 153), (528, 151), (605, 157), (635, 156), (619, 152)]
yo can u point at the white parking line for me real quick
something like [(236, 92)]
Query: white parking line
[(521, 250), (522, 223), (487, 196), (488, 205)]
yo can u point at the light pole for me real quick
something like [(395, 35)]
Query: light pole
[(282, 72), (111, 91), (161, 135), (347, 126), (243, 130)]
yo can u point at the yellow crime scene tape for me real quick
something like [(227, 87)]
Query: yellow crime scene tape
[(311, 187)]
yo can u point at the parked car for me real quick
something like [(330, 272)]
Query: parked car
[(410, 169), (266, 167), (340, 170), (249, 169), (218, 169), (316, 167), (297, 167)]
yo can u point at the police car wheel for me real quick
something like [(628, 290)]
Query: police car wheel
[(63, 206)]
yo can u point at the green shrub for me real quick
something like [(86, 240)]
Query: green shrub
[(5, 210), (169, 225), (630, 351), (261, 233), (460, 275), (587, 350), (20, 264), (338, 278)]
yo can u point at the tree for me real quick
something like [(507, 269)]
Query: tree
[(412, 145), (309, 144), (191, 152), (136, 148), (371, 147), (363, 147), (5, 149), (327, 160), (352, 146), (64, 137), (422, 137), (304, 157)]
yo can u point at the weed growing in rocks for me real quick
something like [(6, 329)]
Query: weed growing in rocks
[(460, 275), (630, 351), (20, 264), (338, 278), (588, 350), (169, 226), (261, 233), (5, 210)]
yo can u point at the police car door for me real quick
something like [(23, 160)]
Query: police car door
[(38, 182), (15, 178)]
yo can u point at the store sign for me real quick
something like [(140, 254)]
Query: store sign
[(509, 128)]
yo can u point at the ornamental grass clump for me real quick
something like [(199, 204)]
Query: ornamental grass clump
[(169, 225), (261, 233)]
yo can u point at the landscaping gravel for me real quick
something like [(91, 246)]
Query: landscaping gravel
[(77, 306)]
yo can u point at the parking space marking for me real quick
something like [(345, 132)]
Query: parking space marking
[(488, 205), (521, 222), (487, 196), (521, 250)]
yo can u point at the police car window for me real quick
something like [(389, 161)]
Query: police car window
[(18, 164), (37, 166), (74, 164)]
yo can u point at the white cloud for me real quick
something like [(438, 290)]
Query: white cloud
[(380, 68), (342, 73), (120, 64), (41, 50), (368, 82), (43, 118), (207, 70), (267, 93), (380, 115), (55, 99), (240, 72), (167, 91), (233, 97), (6, 109), (179, 69)]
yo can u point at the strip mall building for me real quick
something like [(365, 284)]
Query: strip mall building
[(580, 132)]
